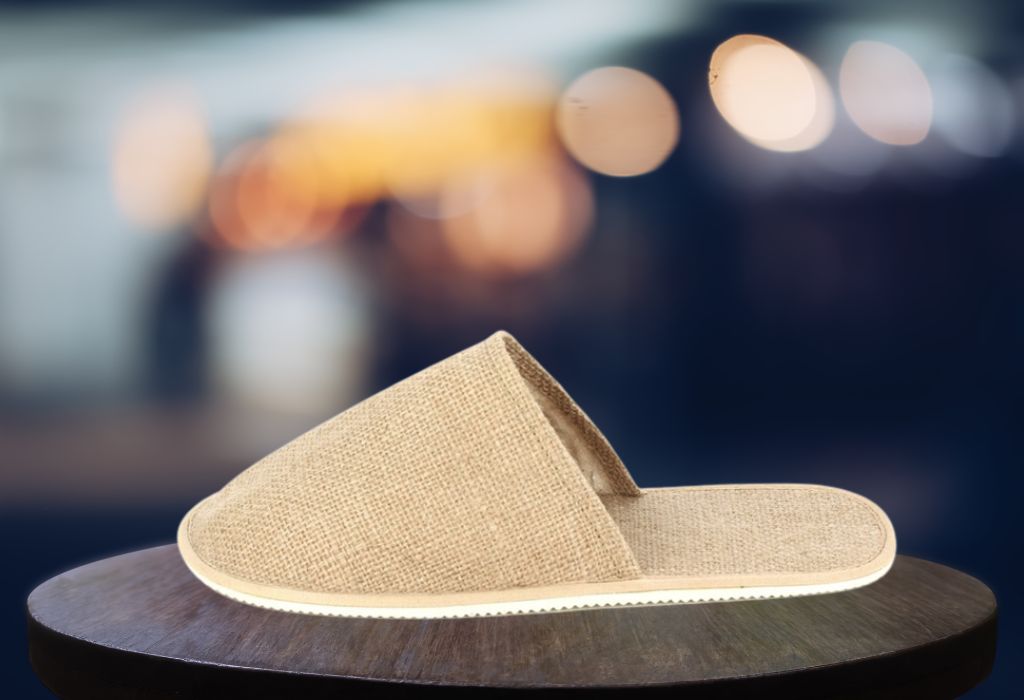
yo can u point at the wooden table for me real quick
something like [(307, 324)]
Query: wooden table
[(140, 626)]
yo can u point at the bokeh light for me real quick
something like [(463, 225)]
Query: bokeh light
[(161, 159), (618, 121), (770, 94), (886, 93), (974, 110), (529, 215), (821, 124), (407, 143), (266, 195)]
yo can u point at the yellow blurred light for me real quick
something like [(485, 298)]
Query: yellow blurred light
[(768, 93), (353, 139), (618, 121), (265, 197), (886, 93), (442, 134), (161, 159), (528, 215), (408, 143)]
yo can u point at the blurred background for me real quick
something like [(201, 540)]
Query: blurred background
[(757, 241)]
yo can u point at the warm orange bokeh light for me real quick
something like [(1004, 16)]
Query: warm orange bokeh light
[(265, 196), (618, 121), (477, 154), (528, 215), (886, 93), (161, 159)]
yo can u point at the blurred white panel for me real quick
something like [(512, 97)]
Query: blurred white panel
[(288, 331)]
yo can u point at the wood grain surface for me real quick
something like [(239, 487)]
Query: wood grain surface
[(141, 626)]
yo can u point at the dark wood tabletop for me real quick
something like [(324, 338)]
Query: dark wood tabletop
[(140, 626)]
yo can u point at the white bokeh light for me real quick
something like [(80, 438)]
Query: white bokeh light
[(770, 94), (886, 93), (974, 110)]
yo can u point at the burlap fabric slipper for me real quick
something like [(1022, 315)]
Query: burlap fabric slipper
[(478, 487)]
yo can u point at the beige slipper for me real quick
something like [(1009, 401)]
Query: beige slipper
[(478, 487)]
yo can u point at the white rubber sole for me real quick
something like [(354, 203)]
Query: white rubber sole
[(549, 605)]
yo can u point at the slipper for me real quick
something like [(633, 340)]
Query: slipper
[(478, 487)]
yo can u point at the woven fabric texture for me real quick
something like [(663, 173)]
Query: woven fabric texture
[(747, 531), (481, 474), (452, 480)]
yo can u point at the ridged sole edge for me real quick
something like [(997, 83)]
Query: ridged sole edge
[(550, 605)]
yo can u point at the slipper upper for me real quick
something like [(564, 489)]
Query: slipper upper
[(478, 473)]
